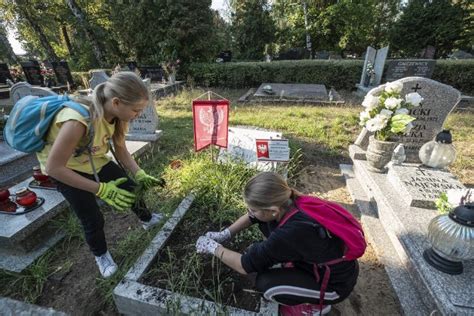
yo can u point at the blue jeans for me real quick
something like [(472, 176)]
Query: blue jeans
[(85, 206)]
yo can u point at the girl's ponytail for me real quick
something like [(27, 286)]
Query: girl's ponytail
[(98, 100)]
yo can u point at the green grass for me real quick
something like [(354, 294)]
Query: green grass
[(327, 131)]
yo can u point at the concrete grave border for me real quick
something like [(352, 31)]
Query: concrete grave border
[(134, 298)]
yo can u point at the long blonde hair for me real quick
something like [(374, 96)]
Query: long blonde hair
[(268, 189), (127, 87)]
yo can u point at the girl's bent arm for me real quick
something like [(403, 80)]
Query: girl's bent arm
[(125, 158), (242, 223), (231, 258), (63, 148)]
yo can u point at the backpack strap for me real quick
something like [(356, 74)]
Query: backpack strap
[(90, 128), (287, 216)]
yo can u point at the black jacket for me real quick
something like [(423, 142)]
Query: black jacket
[(303, 241)]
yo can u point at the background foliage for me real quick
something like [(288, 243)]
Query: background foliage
[(340, 74), (101, 33)]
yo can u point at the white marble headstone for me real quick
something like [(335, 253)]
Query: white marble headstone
[(22, 89), (380, 64), (97, 77), (242, 147), (369, 58), (144, 127)]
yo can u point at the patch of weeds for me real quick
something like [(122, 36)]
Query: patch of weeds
[(181, 270), (70, 225), (28, 284)]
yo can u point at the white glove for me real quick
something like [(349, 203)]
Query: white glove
[(221, 236), (206, 245)]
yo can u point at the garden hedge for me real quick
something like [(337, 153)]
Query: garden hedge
[(340, 74)]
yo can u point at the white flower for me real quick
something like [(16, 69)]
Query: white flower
[(455, 195), (414, 98), (402, 111), (370, 102), (386, 113), (394, 87), (364, 116), (377, 123), (393, 103)]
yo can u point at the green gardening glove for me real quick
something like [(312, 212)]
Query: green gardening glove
[(114, 196), (148, 181)]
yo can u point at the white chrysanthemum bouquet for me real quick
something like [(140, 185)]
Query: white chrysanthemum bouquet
[(387, 114)]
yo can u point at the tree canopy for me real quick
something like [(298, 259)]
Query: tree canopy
[(102, 33)]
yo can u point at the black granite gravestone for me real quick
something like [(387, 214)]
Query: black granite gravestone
[(32, 72), (226, 56), (402, 68), (155, 73), (63, 74), (132, 65), (5, 74)]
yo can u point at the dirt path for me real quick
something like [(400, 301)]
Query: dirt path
[(373, 294), (76, 291)]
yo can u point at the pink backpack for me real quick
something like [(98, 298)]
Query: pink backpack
[(339, 222)]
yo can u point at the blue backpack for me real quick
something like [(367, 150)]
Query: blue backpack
[(31, 117)]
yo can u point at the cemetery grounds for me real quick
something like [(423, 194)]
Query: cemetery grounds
[(66, 278)]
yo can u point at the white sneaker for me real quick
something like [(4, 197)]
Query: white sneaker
[(107, 266), (155, 219)]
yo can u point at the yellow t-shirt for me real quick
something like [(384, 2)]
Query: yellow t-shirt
[(100, 145)]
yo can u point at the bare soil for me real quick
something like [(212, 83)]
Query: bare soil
[(237, 290), (76, 291)]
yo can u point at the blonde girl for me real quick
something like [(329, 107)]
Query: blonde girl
[(113, 104)]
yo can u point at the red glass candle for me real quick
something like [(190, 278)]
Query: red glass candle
[(39, 176), (25, 197), (4, 195)]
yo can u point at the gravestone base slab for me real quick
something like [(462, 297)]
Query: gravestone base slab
[(362, 90), (407, 229), (10, 307), (420, 186), (407, 293), (297, 93), (17, 260), (145, 137), (159, 90), (355, 152), (15, 166), (25, 237)]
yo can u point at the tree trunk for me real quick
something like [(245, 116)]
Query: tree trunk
[(6, 44), (67, 40), (77, 12), (42, 37)]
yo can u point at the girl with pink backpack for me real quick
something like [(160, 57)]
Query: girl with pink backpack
[(308, 260)]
